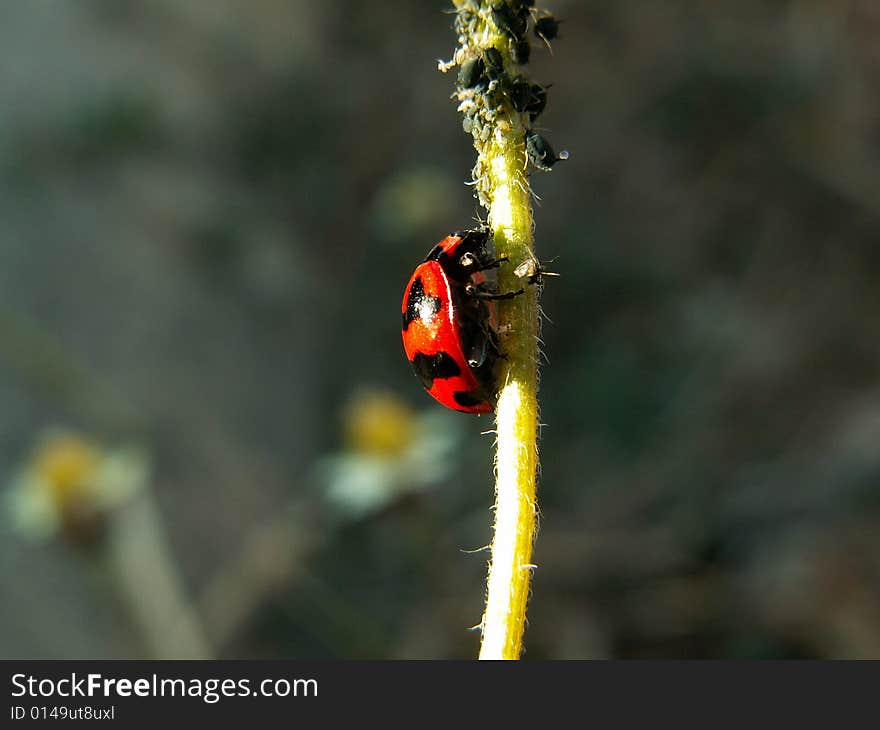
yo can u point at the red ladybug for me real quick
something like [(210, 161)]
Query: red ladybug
[(447, 322)]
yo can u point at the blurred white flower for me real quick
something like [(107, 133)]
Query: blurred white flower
[(391, 450), (69, 484)]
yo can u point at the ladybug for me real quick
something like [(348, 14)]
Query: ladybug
[(448, 333)]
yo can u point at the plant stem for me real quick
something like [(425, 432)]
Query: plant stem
[(516, 455), (138, 558), (502, 186)]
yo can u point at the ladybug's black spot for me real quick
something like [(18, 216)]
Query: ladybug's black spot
[(466, 399), (419, 305), (431, 367)]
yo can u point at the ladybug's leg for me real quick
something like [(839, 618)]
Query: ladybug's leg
[(480, 292), (492, 264), (468, 260), (479, 350), (492, 342)]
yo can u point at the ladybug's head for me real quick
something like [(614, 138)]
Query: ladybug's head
[(462, 254)]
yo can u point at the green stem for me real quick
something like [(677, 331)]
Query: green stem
[(136, 556), (503, 187)]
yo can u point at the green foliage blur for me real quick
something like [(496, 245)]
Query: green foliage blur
[(208, 213)]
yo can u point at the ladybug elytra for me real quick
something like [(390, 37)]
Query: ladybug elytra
[(447, 322)]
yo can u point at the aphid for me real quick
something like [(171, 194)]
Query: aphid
[(525, 97), (494, 63), (521, 51), (547, 28), (532, 270), (520, 93), (541, 153), (472, 73), (537, 101), (509, 21)]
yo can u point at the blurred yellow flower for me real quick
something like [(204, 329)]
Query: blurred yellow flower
[(391, 450), (68, 484), (65, 464), (378, 422)]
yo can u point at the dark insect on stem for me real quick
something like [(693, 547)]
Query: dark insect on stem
[(520, 93), (541, 153), (493, 61), (472, 74), (521, 51), (525, 97), (509, 21), (537, 101), (547, 28)]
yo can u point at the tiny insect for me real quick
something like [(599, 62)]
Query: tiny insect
[(547, 28), (509, 21), (520, 93), (540, 153), (521, 51), (493, 62), (472, 74), (537, 101), (532, 270), (448, 316)]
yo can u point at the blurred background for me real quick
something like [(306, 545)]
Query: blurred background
[(211, 443)]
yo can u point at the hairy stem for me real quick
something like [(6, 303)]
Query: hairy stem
[(502, 187), (516, 456)]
